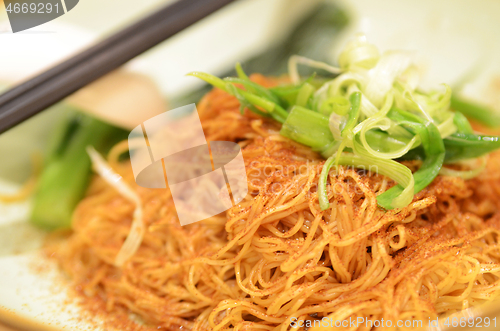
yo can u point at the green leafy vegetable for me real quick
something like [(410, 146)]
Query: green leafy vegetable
[(66, 173)]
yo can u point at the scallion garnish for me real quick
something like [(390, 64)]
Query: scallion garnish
[(374, 110)]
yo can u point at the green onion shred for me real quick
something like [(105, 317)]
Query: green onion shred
[(371, 116)]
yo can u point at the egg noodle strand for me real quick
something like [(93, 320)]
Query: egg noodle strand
[(275, 260)]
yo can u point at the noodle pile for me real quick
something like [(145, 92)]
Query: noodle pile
[(276, 260)]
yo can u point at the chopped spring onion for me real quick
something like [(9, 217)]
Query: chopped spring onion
[(307, 127), (348, 124), (374, 110), (461, 146), (475, 111), (383, 75), (434, 156), (324, 202), (466, 174), (462, 124), (295, 60), (389, 168), (338, 105), (241, 73), (254, 88), (335, 123), (359, 53), (355, 100), (304, 95), (263, 102)]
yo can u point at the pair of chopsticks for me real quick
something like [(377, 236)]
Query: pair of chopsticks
[(53, 85)]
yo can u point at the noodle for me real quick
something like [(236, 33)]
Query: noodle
[(276, 260)]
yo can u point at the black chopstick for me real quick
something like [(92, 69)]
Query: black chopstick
[(53, 85)]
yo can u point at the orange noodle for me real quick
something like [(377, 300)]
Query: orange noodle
[(276, 261)]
